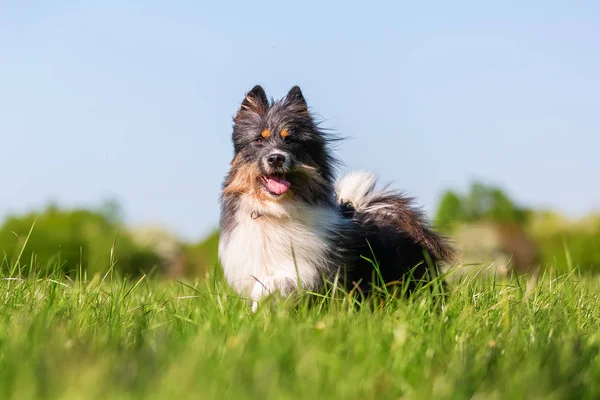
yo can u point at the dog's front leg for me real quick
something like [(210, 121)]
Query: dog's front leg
[(271, 284)]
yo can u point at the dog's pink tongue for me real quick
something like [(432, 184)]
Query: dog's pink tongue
[(277, 185)]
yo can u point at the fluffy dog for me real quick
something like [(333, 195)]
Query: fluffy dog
[(285, 222)]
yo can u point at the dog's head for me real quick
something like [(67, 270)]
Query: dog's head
[(280, 153)]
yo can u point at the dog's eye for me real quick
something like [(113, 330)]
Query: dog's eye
[(259, 140)]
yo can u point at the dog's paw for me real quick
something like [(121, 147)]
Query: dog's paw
[(267, 285)]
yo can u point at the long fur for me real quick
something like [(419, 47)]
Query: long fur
[(317, 229)]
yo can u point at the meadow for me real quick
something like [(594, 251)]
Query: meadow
[(106, 337)]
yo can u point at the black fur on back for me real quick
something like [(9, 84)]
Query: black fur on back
[(395, 235)]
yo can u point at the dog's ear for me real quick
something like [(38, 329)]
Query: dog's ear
[(295, 98), (255, 101)]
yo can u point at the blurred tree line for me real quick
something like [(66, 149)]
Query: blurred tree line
[(485, 222), (91, 240), (540, 238), (481, 203)]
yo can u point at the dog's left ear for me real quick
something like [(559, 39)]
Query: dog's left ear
[(295, 97)]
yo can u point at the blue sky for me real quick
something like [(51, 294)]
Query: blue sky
[(134, 101)]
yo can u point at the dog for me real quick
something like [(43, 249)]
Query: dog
[(287, 224)]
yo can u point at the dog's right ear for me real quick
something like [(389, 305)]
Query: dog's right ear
[(255, 101)]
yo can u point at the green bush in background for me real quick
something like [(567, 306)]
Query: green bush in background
[(560, 243), (74, 240), (568, 244), (202, 255), (482, 203)]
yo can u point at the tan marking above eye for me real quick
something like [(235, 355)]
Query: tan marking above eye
[(265, 133), (284, 133)]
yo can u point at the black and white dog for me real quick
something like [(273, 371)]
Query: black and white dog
[(285, 222)]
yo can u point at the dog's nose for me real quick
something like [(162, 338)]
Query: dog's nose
[(275, 160)]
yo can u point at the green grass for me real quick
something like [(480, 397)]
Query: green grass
[(155, 339)]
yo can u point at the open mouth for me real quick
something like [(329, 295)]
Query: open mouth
[(275, 184)]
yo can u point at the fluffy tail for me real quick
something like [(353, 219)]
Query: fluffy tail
[(356, 188), (386, 208)]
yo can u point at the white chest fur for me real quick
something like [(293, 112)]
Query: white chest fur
[(289, 241)]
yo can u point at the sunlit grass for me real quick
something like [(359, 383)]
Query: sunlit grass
[(109, 337)]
